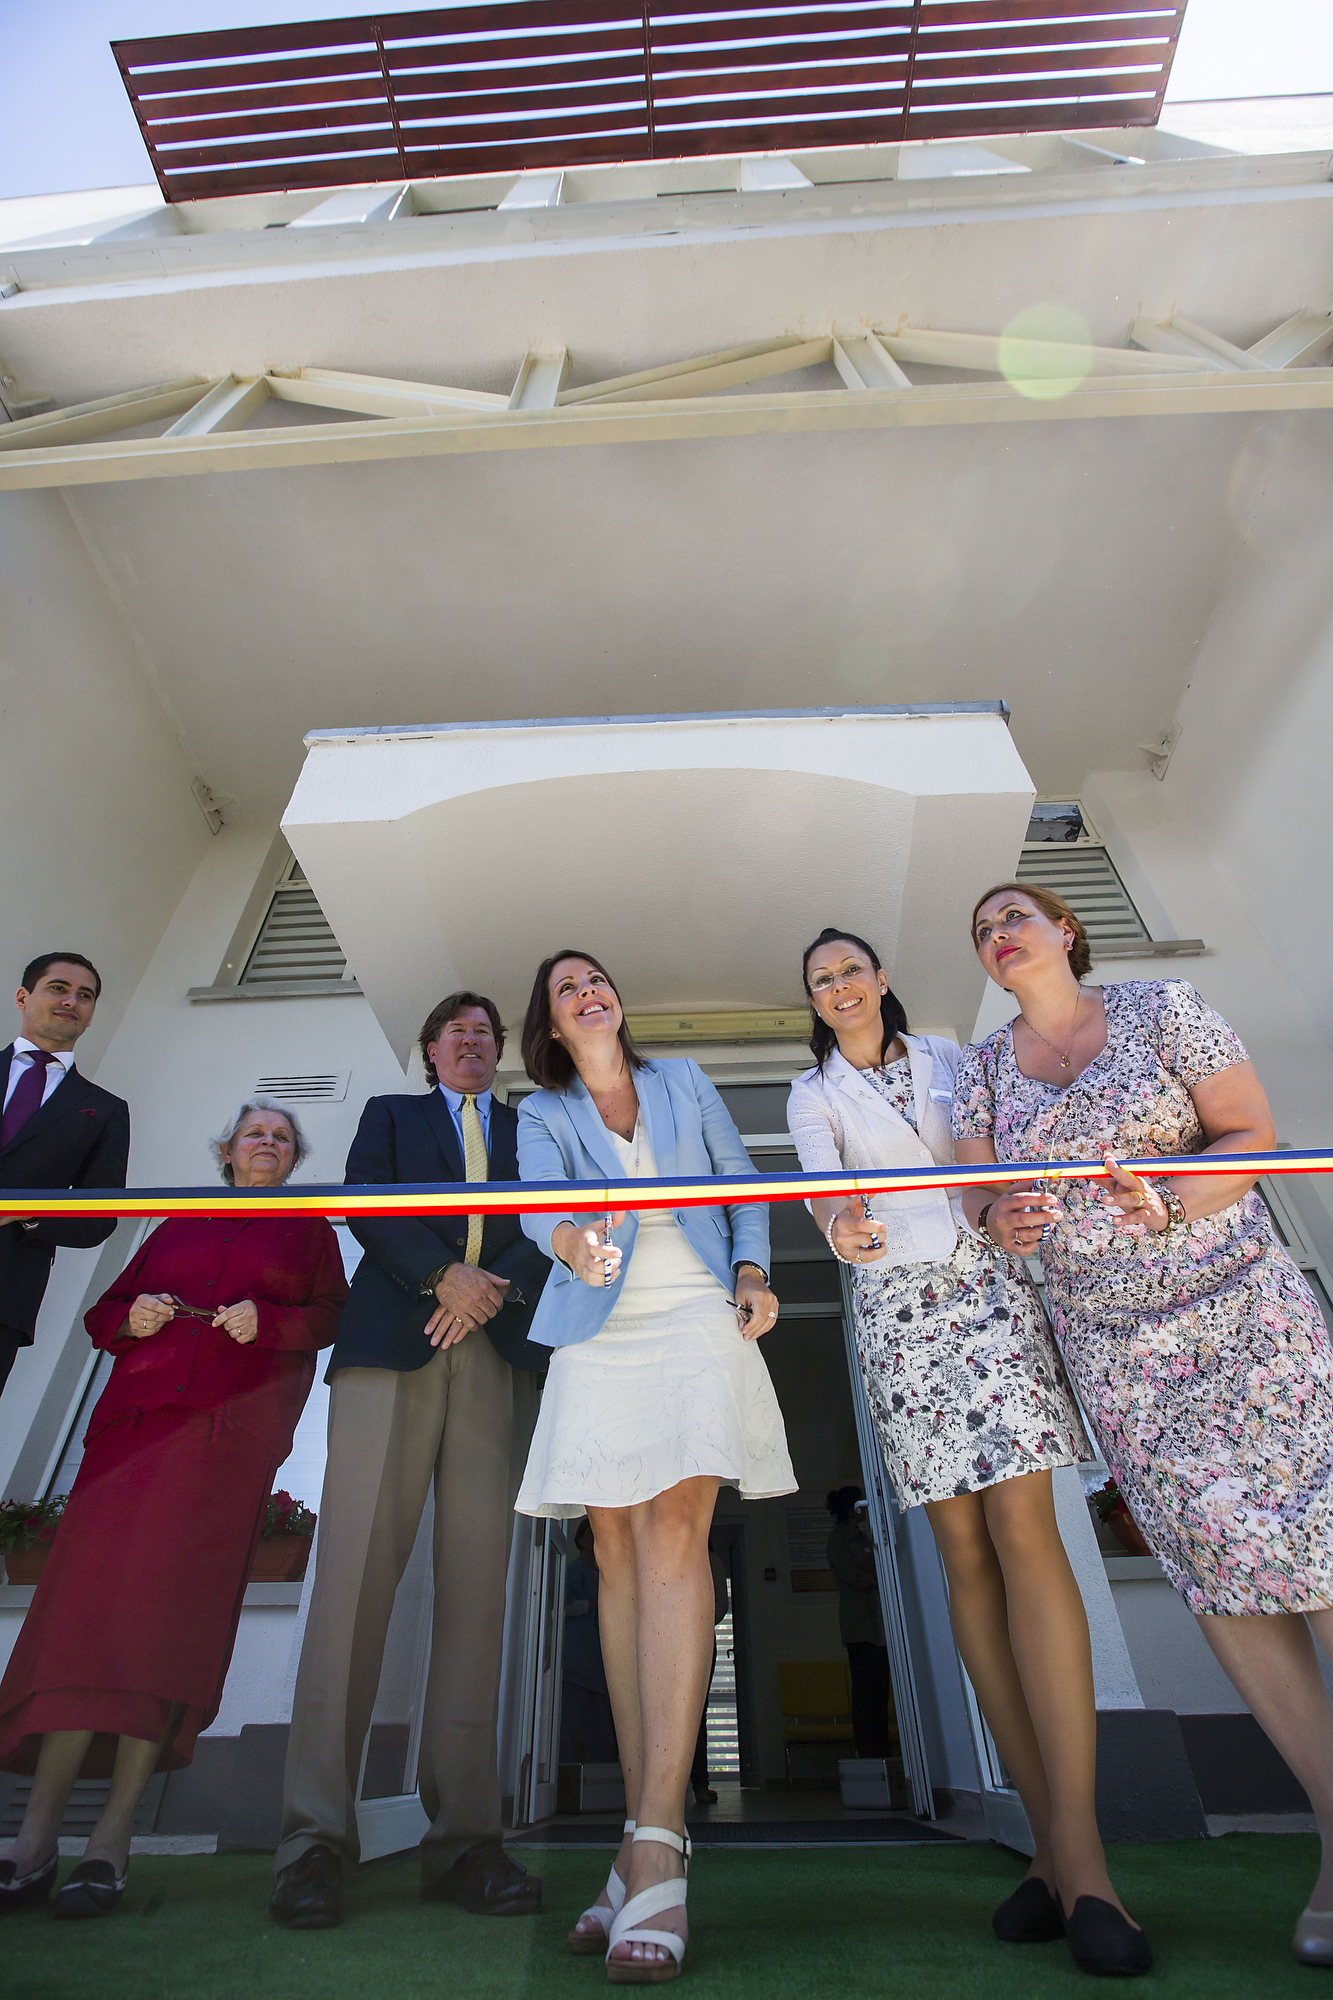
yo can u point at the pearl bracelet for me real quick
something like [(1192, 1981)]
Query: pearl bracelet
[(854, 1262)]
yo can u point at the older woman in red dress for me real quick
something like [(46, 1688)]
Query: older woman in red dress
[(214, 1325)]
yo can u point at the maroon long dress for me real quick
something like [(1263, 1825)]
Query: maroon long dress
[(135, 1613)]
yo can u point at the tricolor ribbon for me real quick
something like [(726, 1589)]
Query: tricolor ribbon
[(589, 1197)]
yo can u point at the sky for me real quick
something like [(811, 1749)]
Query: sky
[(67, 122)]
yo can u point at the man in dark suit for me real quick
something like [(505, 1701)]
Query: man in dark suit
[(57, 1131), (423, 1393)]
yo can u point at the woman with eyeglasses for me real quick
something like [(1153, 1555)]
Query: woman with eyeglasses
[(1197, 1346), (213, 1325), (974, 1414)]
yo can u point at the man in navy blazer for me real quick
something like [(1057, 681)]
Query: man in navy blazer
[(57, 1130), (422, 1378)]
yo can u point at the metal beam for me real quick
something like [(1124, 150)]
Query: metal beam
[(539, 381), (81, 421), (1182, 336), (378, 396), (1210, 392), (728, 369), (1034, 360), (226, 407), (864, 362), (1295, 340)]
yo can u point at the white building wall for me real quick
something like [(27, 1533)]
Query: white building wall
[(102, 833)]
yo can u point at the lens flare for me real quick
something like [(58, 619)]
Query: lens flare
[(1046, 351)]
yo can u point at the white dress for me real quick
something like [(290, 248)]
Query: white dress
[(668, 1390)]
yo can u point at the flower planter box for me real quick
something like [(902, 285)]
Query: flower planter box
[(26, 1565), (1126, 1531), (281, 1559)]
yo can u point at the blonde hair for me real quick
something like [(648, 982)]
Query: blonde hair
[(238, 1116), (1052, 906)]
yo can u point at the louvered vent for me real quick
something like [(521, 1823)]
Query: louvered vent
[(296, 946), (1085, 875), (319, 1087)]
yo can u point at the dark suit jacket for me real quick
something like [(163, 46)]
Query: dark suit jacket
[(80, 1138), (383, 1322)]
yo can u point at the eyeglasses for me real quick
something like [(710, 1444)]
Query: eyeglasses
[(824, 982), (193, 1312)]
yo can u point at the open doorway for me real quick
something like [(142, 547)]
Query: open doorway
[(779, 1726)]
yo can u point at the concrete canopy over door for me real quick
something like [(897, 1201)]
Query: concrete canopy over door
[(697, 855)]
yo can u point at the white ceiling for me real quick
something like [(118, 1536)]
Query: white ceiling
[(1070, 568)]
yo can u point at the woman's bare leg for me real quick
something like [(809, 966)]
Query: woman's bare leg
[(979, 1611), (1048, 1631), (58, 1764), (675, 1653), (1272, 1663), (618, 1625)]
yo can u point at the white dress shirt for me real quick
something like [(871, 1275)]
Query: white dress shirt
[(21, 1062)]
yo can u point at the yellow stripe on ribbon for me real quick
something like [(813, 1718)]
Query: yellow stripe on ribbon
[(588, 1197)]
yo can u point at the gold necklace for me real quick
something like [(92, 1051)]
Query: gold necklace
[(1073, 1030)]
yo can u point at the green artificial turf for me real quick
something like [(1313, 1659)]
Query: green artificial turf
[(905, 1923)]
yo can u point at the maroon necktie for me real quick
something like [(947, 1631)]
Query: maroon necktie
[(27, 1096)]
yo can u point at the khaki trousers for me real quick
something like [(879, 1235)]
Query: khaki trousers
[(390, 1436)]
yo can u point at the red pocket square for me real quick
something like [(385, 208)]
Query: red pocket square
[(84, 1112)]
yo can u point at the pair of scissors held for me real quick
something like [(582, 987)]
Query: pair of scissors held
[(869, 1214)]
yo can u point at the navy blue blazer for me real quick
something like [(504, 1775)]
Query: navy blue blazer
[(80, 1138), (692, 1134), (383, 1323)]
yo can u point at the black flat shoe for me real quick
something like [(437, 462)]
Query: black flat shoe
[(1103, 1942), (1030, 1916), (26, 1892), (308, 1894), (93, 1890)]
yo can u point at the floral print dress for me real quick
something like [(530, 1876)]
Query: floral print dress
[(1201, 1358), (965, 1384)]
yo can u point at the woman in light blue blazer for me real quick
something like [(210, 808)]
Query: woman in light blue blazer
[(656, 1396)]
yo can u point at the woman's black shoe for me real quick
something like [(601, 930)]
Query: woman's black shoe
[(1030, 1916), (26, 1892), (93, 1890), (1102, 1941)]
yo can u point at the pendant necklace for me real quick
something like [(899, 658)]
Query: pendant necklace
[(1073, 1030)]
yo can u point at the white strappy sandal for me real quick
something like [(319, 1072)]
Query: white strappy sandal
[(626, 1927), (583, 1946)]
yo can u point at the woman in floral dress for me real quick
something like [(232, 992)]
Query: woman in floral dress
[(974, 1414), (1196, 1346)]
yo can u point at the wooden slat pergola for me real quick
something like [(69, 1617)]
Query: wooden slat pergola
[(558, 83)]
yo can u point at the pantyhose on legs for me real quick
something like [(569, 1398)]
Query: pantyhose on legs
[(58, 1764), (1272, 1663), (1021, 1628)]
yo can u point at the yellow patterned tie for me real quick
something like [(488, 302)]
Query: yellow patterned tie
[(476, 1168)]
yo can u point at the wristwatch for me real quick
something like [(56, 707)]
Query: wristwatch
[(748, 1264)]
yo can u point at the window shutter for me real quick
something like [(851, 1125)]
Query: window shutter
[(296, 944), (1085, 875)]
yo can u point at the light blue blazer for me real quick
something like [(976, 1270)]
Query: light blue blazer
[(561, 1137)]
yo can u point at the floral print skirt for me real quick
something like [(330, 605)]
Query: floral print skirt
[(1207, 1375), (966, 1385)]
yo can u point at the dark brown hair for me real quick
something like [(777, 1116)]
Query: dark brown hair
[(448, 1010), (33, 972), (547, 1061), (1052, 906), (823, 1041)]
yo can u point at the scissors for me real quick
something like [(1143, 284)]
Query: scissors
[(608, 1270), (869, 1214)]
